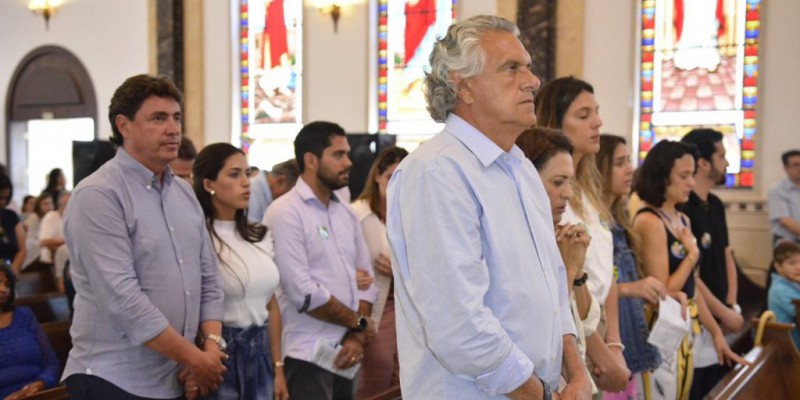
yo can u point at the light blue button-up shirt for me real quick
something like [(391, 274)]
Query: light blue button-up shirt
[(781, 293), (260, 197), (479, 282), (783, 200), (141, 261)]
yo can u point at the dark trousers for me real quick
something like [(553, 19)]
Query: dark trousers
[(90, 387), (307, 381)]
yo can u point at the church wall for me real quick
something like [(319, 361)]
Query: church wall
[(110, 38)]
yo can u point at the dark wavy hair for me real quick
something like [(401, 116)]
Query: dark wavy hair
[(651, 180), (541, 144), (385, 159), (207, 165), (128, 98), (5, 269)]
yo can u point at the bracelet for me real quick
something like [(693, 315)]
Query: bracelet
[(279, 364), (580, 281), (691, 257), (616, 344)]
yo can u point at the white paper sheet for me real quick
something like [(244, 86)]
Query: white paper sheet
[(325, 352), (670, 327)]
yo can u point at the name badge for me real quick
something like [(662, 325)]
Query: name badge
[(323, 232)]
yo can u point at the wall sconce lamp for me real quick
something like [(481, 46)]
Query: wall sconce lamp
[(334, 10), (44, 8)]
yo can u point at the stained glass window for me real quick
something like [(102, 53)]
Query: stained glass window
[(407, 31), (270, 77), (699, 68)]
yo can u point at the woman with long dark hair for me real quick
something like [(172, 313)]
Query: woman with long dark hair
[(252, 321), (56, 184)]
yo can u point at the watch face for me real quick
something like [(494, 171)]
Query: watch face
[(362, 324)]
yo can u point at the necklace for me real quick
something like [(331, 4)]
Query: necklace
[(672, 223)]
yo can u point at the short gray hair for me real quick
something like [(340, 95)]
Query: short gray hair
[(459, 51)]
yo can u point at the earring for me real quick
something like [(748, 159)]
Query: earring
[(213, 192)]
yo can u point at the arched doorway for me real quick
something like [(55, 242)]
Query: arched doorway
[(50, 100)]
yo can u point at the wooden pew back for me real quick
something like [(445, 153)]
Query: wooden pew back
[(58, 334), (773, 373), (47, 307)]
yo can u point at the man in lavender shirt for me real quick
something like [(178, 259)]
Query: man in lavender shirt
[(319, 248), (142, 262)]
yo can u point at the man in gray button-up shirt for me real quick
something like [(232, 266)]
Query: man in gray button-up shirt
[(142, 262)]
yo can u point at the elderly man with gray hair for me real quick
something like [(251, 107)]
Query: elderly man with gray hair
[(479, 282)]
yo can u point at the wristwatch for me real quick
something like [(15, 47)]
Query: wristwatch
[(547, 393), (361, 324), (219, 340), (580, 281)]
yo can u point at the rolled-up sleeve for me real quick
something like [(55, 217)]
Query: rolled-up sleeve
[(447, 277), (290, 255), (99, 244), (211, 299)]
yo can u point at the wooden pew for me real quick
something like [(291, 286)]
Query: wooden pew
[(774, 369), (36, 279), (47, 307), (58, 334), (56, 393)]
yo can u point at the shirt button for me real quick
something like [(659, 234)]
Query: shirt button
[(172, 228), (180, 260), (148, 187), (187, 293)]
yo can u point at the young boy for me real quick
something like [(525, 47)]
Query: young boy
[(786, 285)]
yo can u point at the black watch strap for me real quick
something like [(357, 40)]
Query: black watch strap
[(581, 281)]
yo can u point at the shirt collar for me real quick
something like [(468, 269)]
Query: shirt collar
[(479, 144), (789, 185), (307, 194), (778, 278), (139, 173)]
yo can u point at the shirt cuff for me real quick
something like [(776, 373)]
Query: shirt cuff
[(147, 332), (212, 311), (369, 295), (314, 300), (511, 374)]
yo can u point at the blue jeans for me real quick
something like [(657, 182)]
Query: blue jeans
[(250, 373)]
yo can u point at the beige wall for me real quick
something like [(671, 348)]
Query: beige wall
[(109, 37)]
